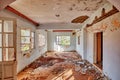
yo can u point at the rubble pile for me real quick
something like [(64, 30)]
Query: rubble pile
[(62, 68)]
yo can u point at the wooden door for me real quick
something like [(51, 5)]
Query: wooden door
[(99, 47), (7, 49)]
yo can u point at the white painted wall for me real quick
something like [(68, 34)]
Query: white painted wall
[(90, 47), (52, 41), (79, 47), (111, 51), (111, 45), (22, 61)]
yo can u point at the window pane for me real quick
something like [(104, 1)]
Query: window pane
[(32, 34), (0, 40), (0, 54), (32, 45), (8, 54), (8, 26), (25, 32), (0, 27), (8, 40), (25, 47), (41, 40), (25, 39), (63, 40)]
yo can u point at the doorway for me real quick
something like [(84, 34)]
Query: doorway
[(99, 50), (7, 49)]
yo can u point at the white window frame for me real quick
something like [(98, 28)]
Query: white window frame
[(58, 41), (30, 43)]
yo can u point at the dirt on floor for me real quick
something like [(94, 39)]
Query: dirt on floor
[(61, 66)]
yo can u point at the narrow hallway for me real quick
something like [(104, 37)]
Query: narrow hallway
[(60, 66)]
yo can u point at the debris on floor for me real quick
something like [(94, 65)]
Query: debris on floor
[(61, 66)]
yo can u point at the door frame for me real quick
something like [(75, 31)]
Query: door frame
[(4, 64), (95, 60), (95, 47)]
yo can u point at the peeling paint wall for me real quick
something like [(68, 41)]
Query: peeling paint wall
[(79, 47), (23, 61), (111, 44)]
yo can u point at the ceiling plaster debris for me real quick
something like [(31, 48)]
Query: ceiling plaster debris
[(46, 11)]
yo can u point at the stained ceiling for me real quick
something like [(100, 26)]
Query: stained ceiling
[(57, 11)]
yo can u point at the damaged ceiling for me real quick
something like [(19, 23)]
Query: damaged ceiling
[(57, 11)]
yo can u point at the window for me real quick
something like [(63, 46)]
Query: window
[(63, 40), (32, 40), (7, 40), (41, 40), (27, 40)]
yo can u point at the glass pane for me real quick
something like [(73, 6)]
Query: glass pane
[(8, 54), (0, 27), (8, 26), (25, 39), (0, 54), (8, 40), (32, 33), (25, 32), (63, 40), (32, 45), (25, 47), (32, 40), (0, 40)]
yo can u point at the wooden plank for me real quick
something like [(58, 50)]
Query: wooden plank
[(62, 30), (103, 16)]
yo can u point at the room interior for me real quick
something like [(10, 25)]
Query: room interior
[(59, 40)]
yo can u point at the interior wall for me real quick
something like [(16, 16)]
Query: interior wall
[(111, 48), (79, 47), (111, 45), (52, 41), (23, 61)]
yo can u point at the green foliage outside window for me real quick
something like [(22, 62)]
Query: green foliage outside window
[(63, 40)]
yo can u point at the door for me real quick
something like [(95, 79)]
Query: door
[(7, 49), (99, 49)]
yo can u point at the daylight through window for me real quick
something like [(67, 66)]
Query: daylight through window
[(63, 40), (27, 40)]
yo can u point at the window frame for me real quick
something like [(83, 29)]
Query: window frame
[(30, 39), (59, 43), (13, 33)]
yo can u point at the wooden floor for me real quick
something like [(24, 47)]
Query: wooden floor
[(60, 66)]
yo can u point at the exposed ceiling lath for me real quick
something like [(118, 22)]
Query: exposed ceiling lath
[(57, 11), (80, 19)]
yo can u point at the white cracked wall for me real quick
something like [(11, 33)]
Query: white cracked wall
[(111, 44)]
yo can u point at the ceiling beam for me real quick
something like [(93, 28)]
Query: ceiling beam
[(4, 3), (62, 30), (9, 8)]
